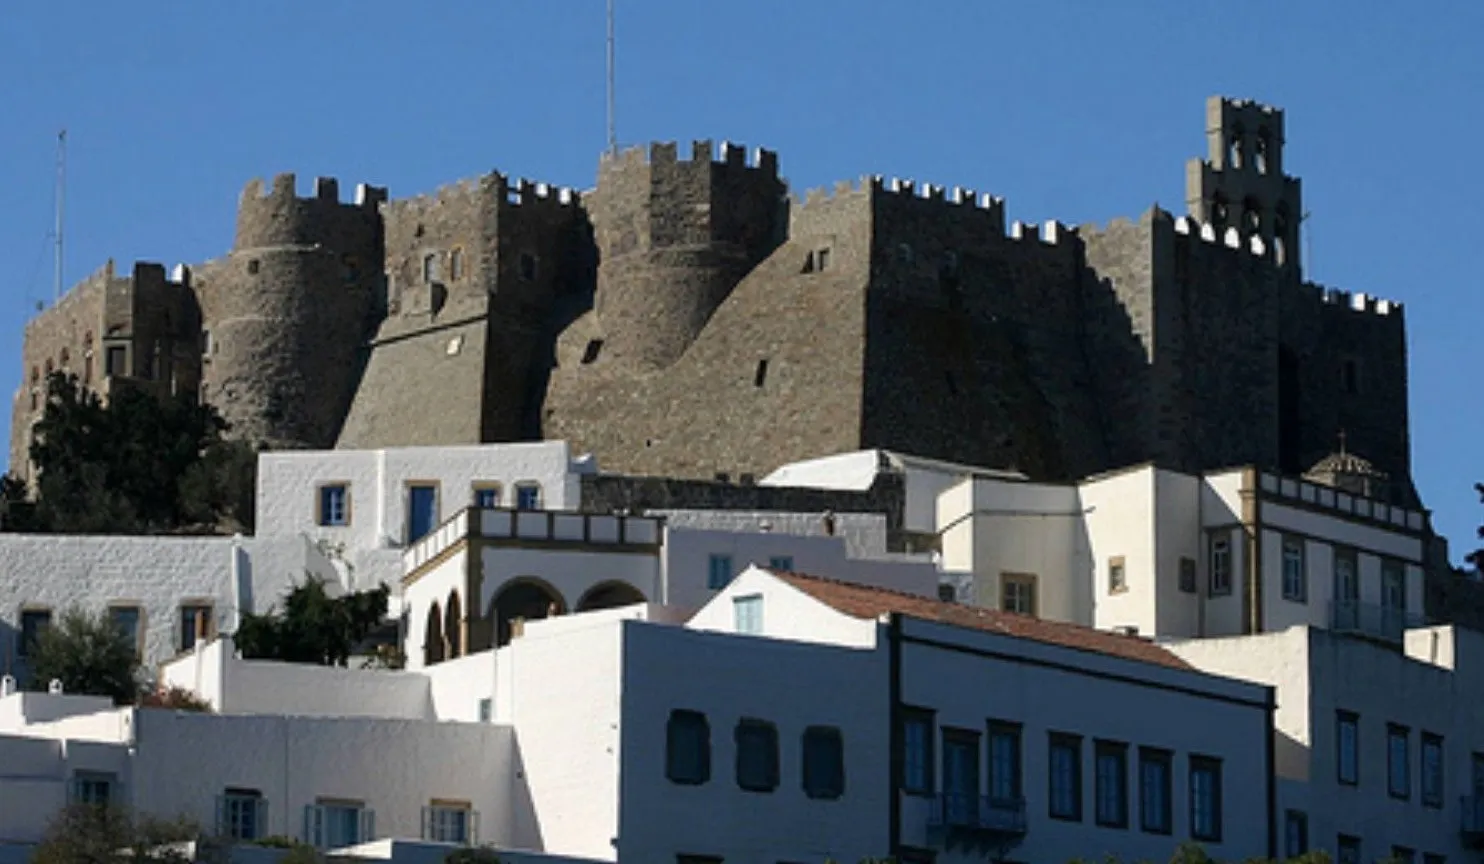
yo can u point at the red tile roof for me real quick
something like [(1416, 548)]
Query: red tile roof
[(864, 601)]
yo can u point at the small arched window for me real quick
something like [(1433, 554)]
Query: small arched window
[(1260, 154), (1219, 211), (430, 268), (1235, 147), (1251, 216), (1280, 235), (49, 366), (456, 264)]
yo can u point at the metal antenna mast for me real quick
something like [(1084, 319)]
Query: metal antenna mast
[(612, 128), (61, 211)]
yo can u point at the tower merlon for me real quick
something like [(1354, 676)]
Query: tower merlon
[(284, 187), (1357, 302), (1214, 235)]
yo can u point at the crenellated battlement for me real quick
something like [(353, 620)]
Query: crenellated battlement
[(284, 187), (1357, 302), (731, 154), (1215, 236), (956, 196), (1051, 233), (522, 192)]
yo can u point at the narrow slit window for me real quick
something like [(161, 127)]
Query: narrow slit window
[(760, 377)]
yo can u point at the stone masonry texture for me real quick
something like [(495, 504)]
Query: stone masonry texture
[(689, 318)]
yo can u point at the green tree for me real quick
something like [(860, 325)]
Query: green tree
[(87, 834), (313, 626), (89, 655), (138, 464)]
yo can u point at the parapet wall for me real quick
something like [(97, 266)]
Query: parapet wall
[(734, 156), (281, 217)]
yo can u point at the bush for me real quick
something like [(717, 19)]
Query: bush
[(89, 655), (174, 698)]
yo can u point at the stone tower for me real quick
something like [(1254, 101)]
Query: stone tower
[(674, 238), (287, 311), (1241, 182)]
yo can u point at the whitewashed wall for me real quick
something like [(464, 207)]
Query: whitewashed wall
[(1094, 696), (1177, 535), (156, 574), (1120, 523), (289, 481), (787, 613), (785, 683), (864, 534)]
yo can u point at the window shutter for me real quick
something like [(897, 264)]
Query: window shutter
[(222, 828), (473, 837), (368, 825), (427, 823)]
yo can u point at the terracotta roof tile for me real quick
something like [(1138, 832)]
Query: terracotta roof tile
[(864, 601)]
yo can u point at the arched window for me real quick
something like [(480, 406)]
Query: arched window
[(1280, 235), (456, 264), (433, 646), (1252, 216), (1219, 212), (453, 629), (1235, 147), (1260, 154)]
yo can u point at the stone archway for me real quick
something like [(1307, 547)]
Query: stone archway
[(526, 598), (609, 595), (433, 647)]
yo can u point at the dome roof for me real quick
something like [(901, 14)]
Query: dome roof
[(1344, 463)]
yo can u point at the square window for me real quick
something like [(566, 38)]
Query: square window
[(125, 619), (747, 614), (334, 505), (688, 748), (527, 496), (757, 755), (241, 814), (487, 496), (1295, 576), (116, 360), (449, 822), (824, 762), (34, 622), (719, 572), (93, 788), (1018, 593), (1117, 576), (917, 751)]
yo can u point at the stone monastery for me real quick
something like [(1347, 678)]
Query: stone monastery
[(688, 317)]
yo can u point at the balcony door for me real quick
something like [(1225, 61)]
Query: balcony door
[(960, 777), (1347, 591)]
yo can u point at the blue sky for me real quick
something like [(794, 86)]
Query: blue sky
[(1078, 111)]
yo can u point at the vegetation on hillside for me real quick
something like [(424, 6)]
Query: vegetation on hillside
[(313, 627), (138, 464)]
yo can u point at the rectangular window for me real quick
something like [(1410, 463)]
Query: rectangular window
[(1295, 577), (917, 751), (719, 572), (1065, 782), (960, 777), (1111, 768), (1187, 575), (1117, 576), (125, 619), (757, 755), (1018, 593), (528, 496), (1348, 849), (1295, 833), (747, 614), (430, 267), (115, 360), (1154, 790), (94, 788), (338, 823), (449, 822), (1347, 584), (824, 762), (1398, 769), (781, 562), (1004, 762), (1347, 748), (422, 510), (1221, 566), (688, 748), (1393, 586), (196, 624), (486, 710), (334, 505), (34, 622), (242, 814), (1205, 799), (487, 495), (456, 264), (1432, 770)]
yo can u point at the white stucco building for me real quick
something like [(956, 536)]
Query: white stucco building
[(1176, 555), (1380, 754)]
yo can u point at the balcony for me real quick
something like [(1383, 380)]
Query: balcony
[(1371, 620), (1471, 828), (976, 822), (552, 529)]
